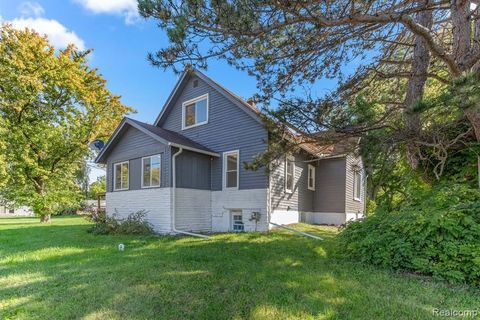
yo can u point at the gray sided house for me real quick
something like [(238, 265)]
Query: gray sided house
[(186, 169)]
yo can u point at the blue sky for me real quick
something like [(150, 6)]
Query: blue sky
[(120, 40)]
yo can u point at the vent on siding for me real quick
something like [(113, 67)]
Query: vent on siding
[(195, 83)]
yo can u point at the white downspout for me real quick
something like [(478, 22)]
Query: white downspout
[(174, 187)]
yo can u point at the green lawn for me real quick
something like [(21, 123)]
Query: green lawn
[(59, 271)]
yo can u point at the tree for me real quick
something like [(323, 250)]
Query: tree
[(288, 43), (96, 187), (52, 105)]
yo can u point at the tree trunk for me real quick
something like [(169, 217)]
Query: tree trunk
[(415, 87), (45, 218)]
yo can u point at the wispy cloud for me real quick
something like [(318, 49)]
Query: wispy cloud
[(58, 35), (126, 8), (31, 9)]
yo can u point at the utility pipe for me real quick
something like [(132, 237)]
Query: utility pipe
[(297, 231), (174, 187)]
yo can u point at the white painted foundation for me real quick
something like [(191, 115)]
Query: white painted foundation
[(252, 200), (156, 201), (285, 217)]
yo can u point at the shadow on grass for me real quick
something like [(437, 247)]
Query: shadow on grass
[(63, 272)]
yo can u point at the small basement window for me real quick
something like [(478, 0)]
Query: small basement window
[(311, 177), (237, 221), (151, 171), (289, 174), (357, 185), (120, 176), (195, 112)]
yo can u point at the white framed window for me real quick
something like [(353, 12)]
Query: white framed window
[(289, 174), (231, 169), (311, 177), (237, 221), (120, 176), (151, 171), (357, 185), (195, 112)]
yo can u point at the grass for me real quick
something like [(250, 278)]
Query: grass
[(59, 271)]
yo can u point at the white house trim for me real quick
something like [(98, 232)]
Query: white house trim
[(115, 175), (142, 176)]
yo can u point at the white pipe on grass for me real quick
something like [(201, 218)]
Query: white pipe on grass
[(297, 231), (174, 187)]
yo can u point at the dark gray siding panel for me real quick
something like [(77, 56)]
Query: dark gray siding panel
[(228, 128), (330, 186), (193, 170), (131, 146), (301, 199)]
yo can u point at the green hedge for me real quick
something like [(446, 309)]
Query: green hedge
[(436, 233)]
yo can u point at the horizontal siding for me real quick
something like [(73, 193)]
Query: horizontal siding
[(301, 199), (131, 146), (352, 205), (228, 128), (330, 186)]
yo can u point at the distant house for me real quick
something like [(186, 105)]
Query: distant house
[(15, 211), (186, 169)]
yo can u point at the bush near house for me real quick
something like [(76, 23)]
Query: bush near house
[(436, 232), (135, 223)]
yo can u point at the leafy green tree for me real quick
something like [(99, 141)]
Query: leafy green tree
[(52, 104), (97, 187)]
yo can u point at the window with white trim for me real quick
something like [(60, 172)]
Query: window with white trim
[(357, 185), (237, 221), (151, 171), (289, 174), (311, 177), (120, 176), (195, 112), (230, 169)]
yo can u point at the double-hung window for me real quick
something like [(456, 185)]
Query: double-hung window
[(120, 176), (357, 185), (311, 177), (289, 174), (195, 112), (231, 169), (151, 171)]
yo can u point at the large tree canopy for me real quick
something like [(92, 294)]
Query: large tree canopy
[(52, 105), (407, 51)]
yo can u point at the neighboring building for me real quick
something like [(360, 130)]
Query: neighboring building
[(186, 170), (15, 211)]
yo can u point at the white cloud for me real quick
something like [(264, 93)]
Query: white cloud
[(126, 8), (58, 35), (31, 9)]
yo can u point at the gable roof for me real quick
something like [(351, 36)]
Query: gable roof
[(162, 135), (185, 76)]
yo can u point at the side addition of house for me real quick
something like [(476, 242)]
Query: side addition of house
[(186, 170)]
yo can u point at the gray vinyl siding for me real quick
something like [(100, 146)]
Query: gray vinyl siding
[(193, 170), (330, 186), (352, 205), (131, 146), (301, 198), (229, 128)]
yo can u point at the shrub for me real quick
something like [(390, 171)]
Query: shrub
[(436, 233), (135, 223)]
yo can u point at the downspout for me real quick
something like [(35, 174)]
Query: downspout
[(174, 188)]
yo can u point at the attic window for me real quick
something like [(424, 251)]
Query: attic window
[(195, 83), (195, 112)]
